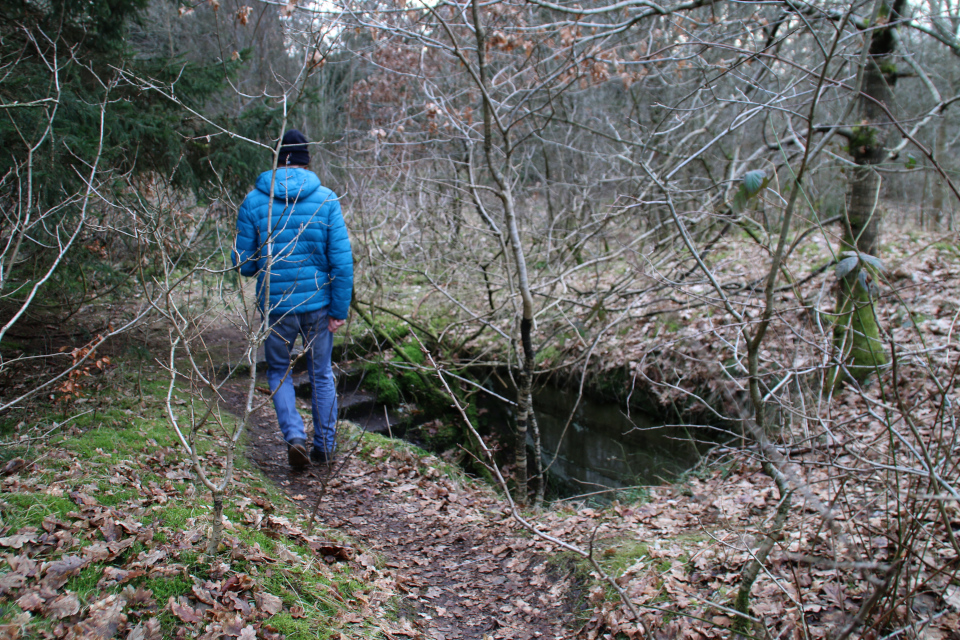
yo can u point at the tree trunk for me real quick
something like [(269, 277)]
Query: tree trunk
[(541, 480), (856, 333), (520, 459), (505, 194), (551, 216), (216, 531), (939, 149)]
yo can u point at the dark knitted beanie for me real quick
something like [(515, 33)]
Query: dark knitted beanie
[(294, 149)]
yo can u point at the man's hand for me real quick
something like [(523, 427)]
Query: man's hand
[(333, 324)]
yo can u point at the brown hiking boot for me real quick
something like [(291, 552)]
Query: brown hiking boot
[(297, 454), (321, 457)]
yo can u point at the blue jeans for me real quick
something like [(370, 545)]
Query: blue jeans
[(318, 345)]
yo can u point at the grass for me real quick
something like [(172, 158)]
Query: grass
[(619, 554), (167, 587), (85, 584)]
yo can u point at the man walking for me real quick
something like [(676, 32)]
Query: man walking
[(291, 235)]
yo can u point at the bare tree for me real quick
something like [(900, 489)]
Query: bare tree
[(632, 145)]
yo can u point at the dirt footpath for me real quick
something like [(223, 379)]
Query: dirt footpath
[(462, 568)]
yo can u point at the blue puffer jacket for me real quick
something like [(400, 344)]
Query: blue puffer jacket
[(312, 264)]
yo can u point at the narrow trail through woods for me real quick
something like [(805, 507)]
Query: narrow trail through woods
[(462, 568)]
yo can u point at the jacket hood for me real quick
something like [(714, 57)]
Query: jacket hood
[(290, 185)]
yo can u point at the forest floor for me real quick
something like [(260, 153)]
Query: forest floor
[(451, 551), (103, 523), (104, 530)]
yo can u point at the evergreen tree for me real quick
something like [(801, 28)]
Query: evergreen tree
[(65, 80)]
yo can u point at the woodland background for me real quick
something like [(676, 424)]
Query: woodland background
[(740, 216)]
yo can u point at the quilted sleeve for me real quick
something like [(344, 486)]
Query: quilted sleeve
[(246, 252), (340, 259)]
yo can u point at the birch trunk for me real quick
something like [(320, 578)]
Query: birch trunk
[(939, 150), (505, 194)]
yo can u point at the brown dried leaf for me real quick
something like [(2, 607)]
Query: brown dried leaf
[(266, 505), (148, 630), (203, 595), (109, 530), (97, 552), (268, 604), (253, 554), (139, 597), (179, 474), (233, 626), (17, 541), (64, 606), (51, 524), (83, 499), (283, 553), (270, 632), (58, 572), (152, 558), (350, 617), (12, 582), (13, 466), (9, 632), (104, 620), (340, 552), (30, 601), (282, 524), (239, 582), (130, 525), (184, 611), (116, 548), (23, 564), (104, 551), (233, 601), (243, 14), (114, 575)]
